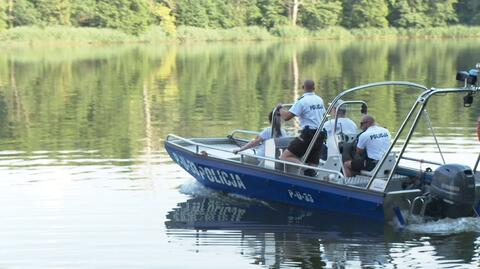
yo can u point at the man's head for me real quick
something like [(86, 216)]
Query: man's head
[(366, 121), (339, 109), (308, 85)]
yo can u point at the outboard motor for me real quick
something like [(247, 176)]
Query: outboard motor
[(452, 192)]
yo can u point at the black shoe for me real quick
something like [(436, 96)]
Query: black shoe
[(310, 172)]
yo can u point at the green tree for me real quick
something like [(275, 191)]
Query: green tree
[(365, 13), (408, 13), (320, 14), (253, 13), (83, 13), (24, 13), (217, 13), (442, 12), (191, 13), (3, 15), (163, 16), (130, 16), (469, 12), (54, 12), (273, 13), (422, 13)]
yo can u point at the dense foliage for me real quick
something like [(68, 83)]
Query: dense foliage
[(134, 16)]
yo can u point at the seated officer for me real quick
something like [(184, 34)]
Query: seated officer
[(262, 137), (374, 142), (344, 126)]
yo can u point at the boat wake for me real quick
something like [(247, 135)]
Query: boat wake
[(196, 189), (446, 226), (192, 187)]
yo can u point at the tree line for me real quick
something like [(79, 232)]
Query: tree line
[(135, 16)]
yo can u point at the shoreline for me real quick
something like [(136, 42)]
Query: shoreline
[(72, 36)]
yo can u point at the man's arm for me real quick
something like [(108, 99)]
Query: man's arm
[(286, 115), (361, 145), (360, 151)]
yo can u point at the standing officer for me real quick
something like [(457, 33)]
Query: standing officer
[(309, 109)]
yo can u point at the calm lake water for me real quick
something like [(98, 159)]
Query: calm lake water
[(86, 183)]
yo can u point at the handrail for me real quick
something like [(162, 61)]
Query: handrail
[(395, 139), (336, 119), (420, 160), (407, 140), (232, 134), (250, 155), (336, 116), (422, 101), (358, 88), (430, 126)]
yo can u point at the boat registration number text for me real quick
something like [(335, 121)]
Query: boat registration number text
[(302, 196)]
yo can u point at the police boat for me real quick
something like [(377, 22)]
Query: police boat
[(398, 189)]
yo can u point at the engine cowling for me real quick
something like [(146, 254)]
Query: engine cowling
[(452, 191)]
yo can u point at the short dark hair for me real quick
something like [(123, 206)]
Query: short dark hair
[(309, 85), (341, 111)]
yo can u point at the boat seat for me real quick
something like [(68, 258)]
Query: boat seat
[(333, 162), (273, 149), (385, 169)]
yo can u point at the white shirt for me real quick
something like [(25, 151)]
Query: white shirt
[(376, 140), (344, 126), (266, 134), (310, 109)]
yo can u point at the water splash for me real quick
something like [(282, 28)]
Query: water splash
[(194, 188), (446, 226)]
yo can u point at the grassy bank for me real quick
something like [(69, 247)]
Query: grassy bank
[(74, 36)]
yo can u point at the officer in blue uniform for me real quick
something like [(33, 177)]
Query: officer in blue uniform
[(309, 108)]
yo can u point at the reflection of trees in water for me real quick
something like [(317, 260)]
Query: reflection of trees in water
[(94, 97)]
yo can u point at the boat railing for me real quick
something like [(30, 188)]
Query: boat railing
[(419, 107), (360, 88), (239, 131), (421, 160), (198, 146)]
